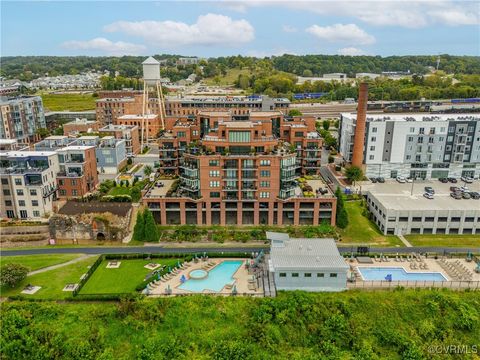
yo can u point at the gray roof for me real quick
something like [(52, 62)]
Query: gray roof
[(151, 61), (307, 254)]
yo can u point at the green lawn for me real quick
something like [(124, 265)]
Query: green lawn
[(229, 78), (72, 102), (361, 230), (34, 262), (122, 280), (52, 281), (119, 191), (444, 240)]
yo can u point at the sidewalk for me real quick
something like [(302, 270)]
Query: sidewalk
[(405, 241), (48, 268)]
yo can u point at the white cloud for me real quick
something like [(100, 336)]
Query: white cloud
[(404, 13), (209, 29), (289, 29), (106, 46), (351, 51), (349, 33)]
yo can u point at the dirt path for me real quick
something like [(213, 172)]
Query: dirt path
[(48, 268)]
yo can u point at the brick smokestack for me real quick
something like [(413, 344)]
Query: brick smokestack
[(359, 139)]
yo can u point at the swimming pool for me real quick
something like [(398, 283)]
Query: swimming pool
[(398, 274), (217, 278)]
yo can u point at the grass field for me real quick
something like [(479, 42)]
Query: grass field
[(229, 78), (72, 102), (52, 281), (122, 280), (361, 230), (397, 325), (444, 240), (35, 262), (119, 191)]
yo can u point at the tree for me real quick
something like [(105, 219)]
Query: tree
[(147, 170), (326, 124), (294, 112), (354, 174), (42, 132), (342, 216), (12, 274), (139, 229), (151, 230)]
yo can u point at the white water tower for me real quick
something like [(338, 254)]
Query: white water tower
[(151, 82)]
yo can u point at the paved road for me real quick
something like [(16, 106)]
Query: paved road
[(159, 249)]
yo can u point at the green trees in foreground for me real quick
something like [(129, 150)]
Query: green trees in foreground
[(12, 274), (398, 324), (145, 228), (354, 174), (342, 216)]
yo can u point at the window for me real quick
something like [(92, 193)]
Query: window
[(298, 134), (34, 202), (264, 194), (333, 275), (372, 148), (265, 162), (21, 202), (294, 274), (374, 129), (181, 134), (214, 173), (74, 192), (73, 182), (63, 192), (320, 275), (214, 162), (10, 214), (61, 182), (6, 192), (214, 183), (23, 214), (8, 202), (309, 275), (214, 194), (371, 157), (36, 213), (19, 192), (265, 173), (195, 132), (239, 136), (282, 275), (410, 138), (33, 192), (265, 184), (412, 129), (373, 139), (18, 181), (4, 181), (421, 131)]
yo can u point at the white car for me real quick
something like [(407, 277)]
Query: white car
[(409, 180), (428, 195), (401, 179), (464, 189), (467, 179)]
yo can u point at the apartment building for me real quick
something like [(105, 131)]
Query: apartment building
[(129, 133), (21, 117), (110, 153), (28, 183), (77, 174), (416, 145), (149, 124), (80, 126), (240, 172)]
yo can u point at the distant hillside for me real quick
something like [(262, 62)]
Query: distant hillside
[(30, 67)]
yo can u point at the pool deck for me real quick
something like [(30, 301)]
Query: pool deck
[(241, 277)]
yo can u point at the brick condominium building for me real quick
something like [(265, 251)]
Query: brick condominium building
[(241, 169)]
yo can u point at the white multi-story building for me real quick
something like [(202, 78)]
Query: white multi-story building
[(416, 145), (28, 183)]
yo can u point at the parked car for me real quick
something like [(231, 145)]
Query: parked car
[(373, 180), (443, 180), (429, 189), (409, 180), (475, 195), (428, 195), (381, 180), (466, 195), (452, 180), (467, 179), (464, 189), (456, 195), (401, 179), (454, 188)]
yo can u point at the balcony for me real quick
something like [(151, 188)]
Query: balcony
[(230, 197)]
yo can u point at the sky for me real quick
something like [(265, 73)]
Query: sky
[(255, 28)]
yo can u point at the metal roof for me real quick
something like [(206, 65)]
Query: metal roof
[(151, 61), (307, 254)]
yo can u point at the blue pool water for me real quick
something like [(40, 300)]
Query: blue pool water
[(398, 274), (217, 278)]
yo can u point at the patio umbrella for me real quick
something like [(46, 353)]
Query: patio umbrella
[(183, 279), (169, 269)]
